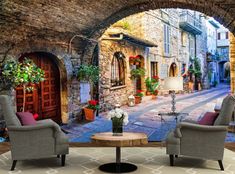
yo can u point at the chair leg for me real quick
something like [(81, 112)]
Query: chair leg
[(221, 165), (171, 160), (13, 165), (63, 160)]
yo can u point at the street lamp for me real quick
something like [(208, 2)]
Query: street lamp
[(173, 84)]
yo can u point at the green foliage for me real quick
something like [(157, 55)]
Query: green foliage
[(15, 73), (89, 73), (152, 85), (215, 83), (196, 69), (138, 72), (148, 83), (139, 93), (124, 24)]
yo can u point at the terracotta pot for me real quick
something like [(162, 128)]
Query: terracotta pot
[(154, 97), (90, 114), (137, 63), (138, 99), (148, 93), (131, 63)]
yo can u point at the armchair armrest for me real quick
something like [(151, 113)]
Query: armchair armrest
[(197, 127), (40, 125)]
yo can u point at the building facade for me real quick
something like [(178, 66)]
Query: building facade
[(168, 40), (223, 46)]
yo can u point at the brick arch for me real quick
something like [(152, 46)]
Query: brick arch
[(207, 7)]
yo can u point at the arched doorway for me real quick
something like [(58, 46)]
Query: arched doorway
[(140, 80), (227, 70), (45, 98), (173, 70)]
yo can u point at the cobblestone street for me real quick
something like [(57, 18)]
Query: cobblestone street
[(144, 117)]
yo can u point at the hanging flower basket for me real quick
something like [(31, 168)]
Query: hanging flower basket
[(134, 60)]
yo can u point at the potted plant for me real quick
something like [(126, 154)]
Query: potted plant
[(154, 94), (118, 117), (26, 74), (90, 110), (138, 96), (148, 84), (138, 72), (88, 73), (154, 86)]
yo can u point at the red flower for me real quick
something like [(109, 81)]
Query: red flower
[(93, 102), (139, 91), (132, 57), (35, 116), (155, 77)]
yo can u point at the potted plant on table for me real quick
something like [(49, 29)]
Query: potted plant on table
[(118, 117), (90, 110), (138, 96)]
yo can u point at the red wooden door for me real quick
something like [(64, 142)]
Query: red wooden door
[(45, 98)]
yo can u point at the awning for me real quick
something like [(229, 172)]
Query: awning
[(133, 39)]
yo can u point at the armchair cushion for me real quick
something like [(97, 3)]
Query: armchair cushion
[(26, 118), (209, 118)]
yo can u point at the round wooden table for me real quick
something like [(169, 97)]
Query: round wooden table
[(128, 139)]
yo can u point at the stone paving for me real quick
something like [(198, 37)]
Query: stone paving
[(144, 117)]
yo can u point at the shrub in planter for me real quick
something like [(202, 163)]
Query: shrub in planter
[(138, 72), (90, 110), (138, 96)]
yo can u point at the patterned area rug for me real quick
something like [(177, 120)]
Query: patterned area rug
[(149, 161)]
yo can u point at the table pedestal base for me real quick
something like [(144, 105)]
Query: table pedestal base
[(118, 168)]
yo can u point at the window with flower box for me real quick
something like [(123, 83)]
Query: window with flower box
[(154, 69), (118, 70)]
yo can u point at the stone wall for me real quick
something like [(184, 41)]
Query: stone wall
[(109, 96), (67, 64), (154, 31), (232, 62)]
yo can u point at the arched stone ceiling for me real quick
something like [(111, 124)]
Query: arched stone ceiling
[(61, 19)]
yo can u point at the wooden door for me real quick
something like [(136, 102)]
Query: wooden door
[(45, 98)]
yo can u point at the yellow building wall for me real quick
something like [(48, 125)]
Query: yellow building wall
[(232, 62)]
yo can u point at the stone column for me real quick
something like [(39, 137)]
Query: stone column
[(232, 62)]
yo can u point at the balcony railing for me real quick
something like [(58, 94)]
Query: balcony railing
[(190, 23)]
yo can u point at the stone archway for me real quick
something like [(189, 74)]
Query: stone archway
[(210, 8), (63, 91), (173, 71)]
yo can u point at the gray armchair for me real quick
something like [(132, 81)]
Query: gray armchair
[(42, 140), (201, 141)]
